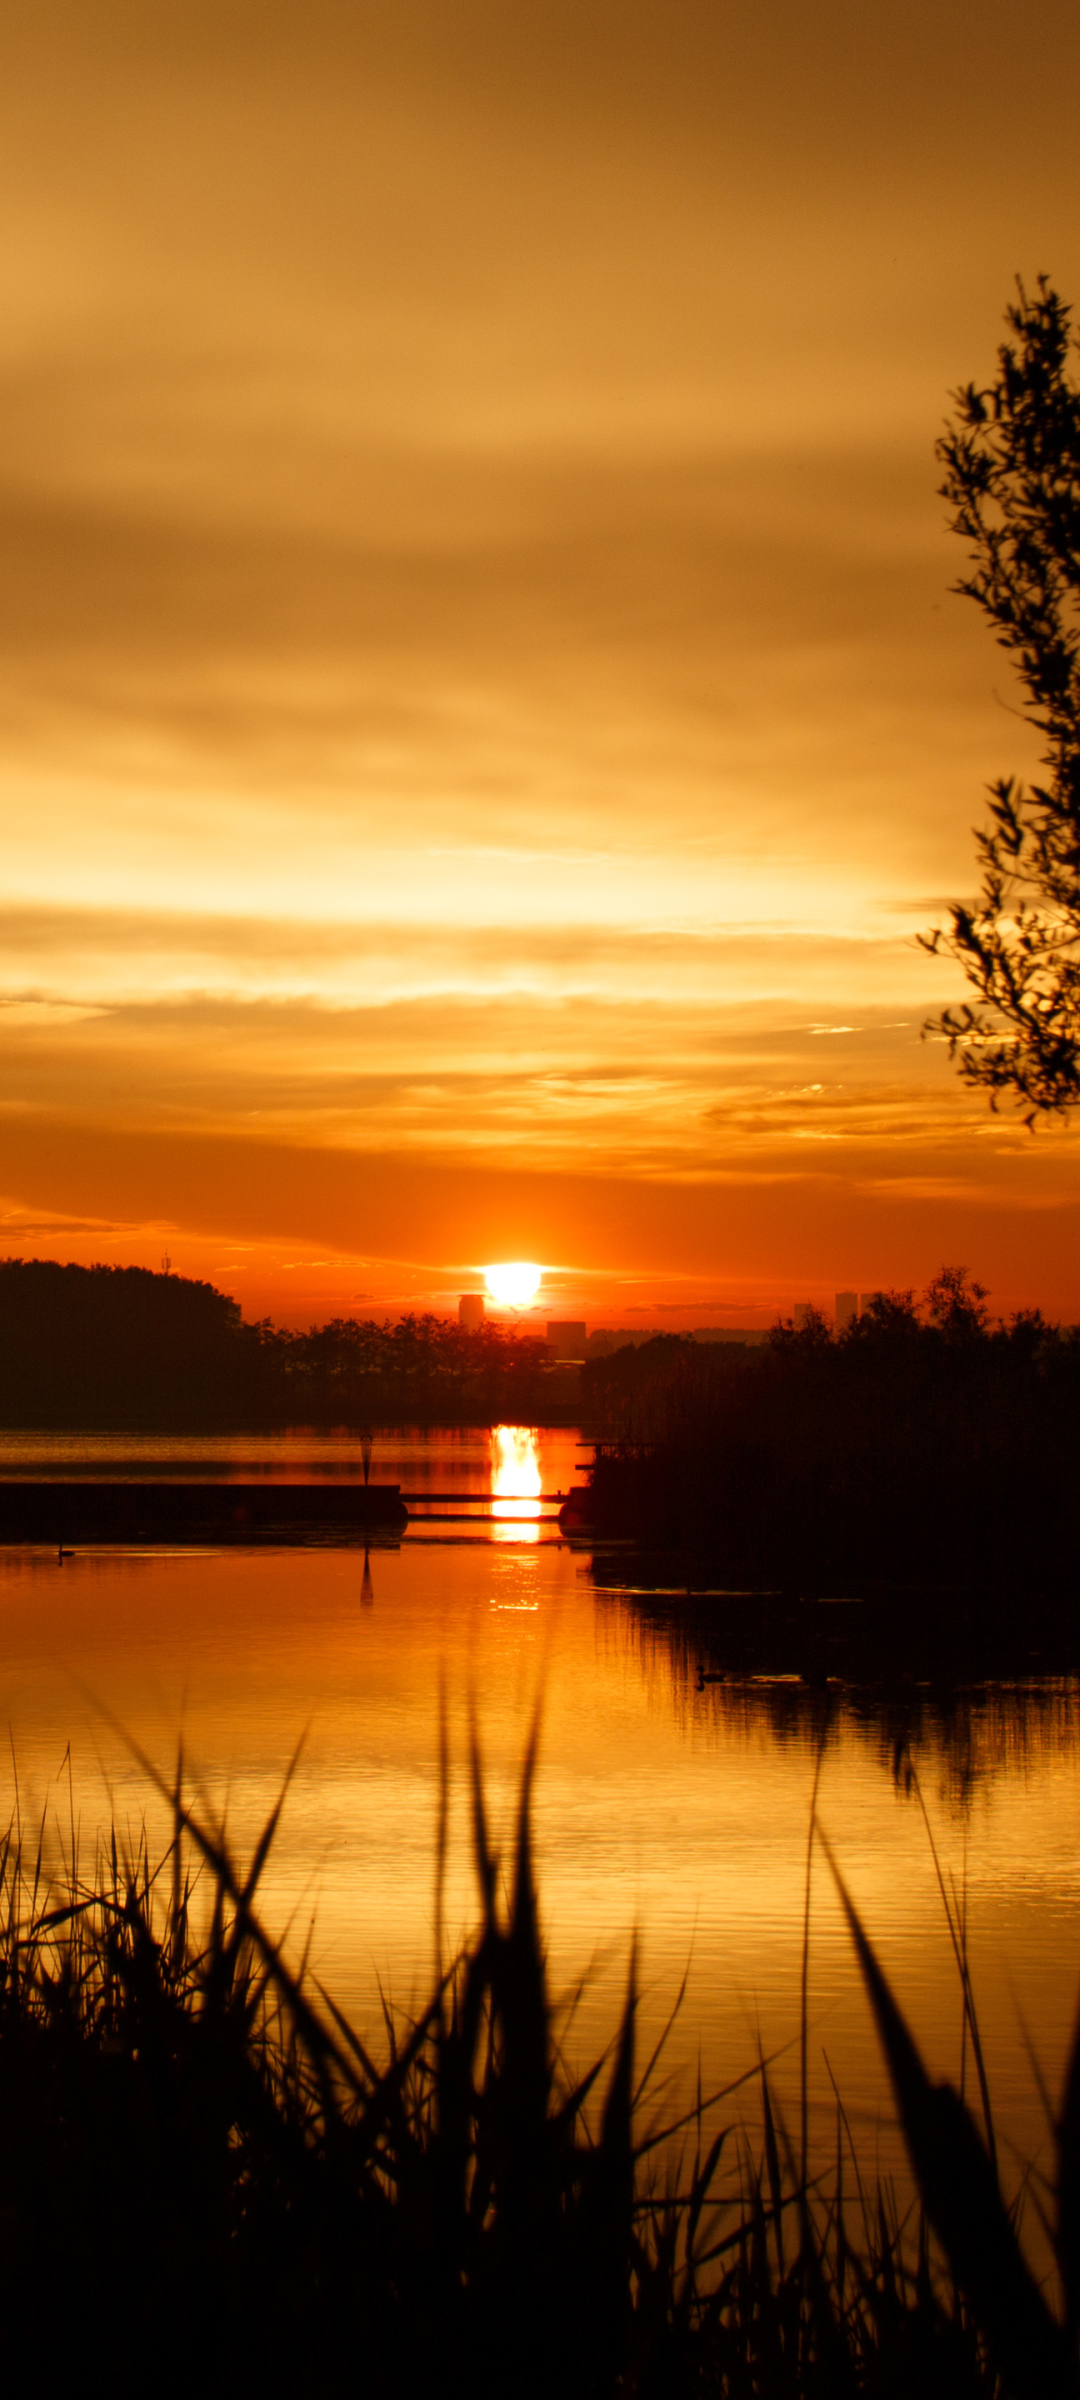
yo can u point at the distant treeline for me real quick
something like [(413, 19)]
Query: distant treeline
[(120, 1348), (925, 1443)]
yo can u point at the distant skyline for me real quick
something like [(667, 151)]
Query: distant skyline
[(482, 716)]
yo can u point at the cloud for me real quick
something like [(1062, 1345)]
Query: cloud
[(477, 676), (40, 1013)]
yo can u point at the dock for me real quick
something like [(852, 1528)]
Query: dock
[(138, 1510)]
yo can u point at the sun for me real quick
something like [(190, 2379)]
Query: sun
[(513, 1283)]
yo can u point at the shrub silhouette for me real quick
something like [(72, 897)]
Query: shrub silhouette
[(926, 1448)]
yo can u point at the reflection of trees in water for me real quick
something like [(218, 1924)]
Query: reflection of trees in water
[(968, 1732)]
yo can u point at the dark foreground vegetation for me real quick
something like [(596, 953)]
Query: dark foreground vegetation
[(205, 2173), (121, 1348), (927, 1445)]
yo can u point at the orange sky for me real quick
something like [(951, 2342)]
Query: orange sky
[(481, 714)]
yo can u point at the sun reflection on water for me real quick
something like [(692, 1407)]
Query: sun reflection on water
[(515, 1478)]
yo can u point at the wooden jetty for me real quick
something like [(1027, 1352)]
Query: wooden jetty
[(65, 1513)]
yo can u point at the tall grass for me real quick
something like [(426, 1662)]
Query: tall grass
[(206, 2176)]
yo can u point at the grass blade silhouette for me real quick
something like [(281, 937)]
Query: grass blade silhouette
[(962, 2199), (1068, 2227)]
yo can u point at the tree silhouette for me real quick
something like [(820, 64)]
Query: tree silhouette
[(1012, 478), (956, 1305)]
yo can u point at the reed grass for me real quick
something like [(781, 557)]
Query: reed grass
[(205, 2174), (932, 1455)]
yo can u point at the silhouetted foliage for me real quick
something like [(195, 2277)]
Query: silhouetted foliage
[(956, 1305), (204, 2167), (930, 1446), (121, 1347), (1012, 479), (417, 1370), (114, 1345)]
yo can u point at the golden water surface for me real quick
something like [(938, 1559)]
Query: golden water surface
[(678, 1813)]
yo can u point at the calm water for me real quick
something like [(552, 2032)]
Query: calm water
[(680, 1813)]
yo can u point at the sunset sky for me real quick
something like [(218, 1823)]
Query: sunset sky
[(482, 715)]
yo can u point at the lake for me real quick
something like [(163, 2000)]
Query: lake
[(678, 1813)]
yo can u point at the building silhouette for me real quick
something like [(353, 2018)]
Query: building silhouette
[(566, 1338), (470, 1309), (847, 1309)]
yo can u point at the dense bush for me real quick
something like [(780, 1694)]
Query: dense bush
[(113, 1345), (923, 1444)]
